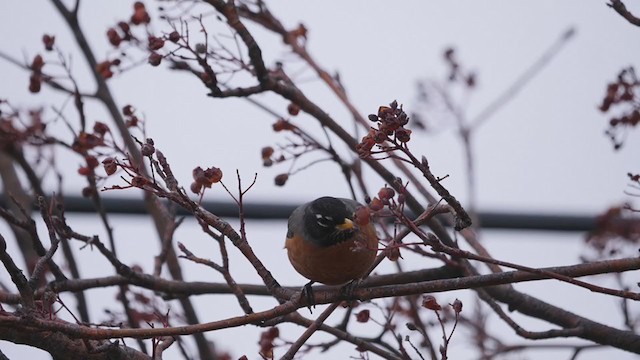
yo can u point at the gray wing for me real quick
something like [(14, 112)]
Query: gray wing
[(296, 221)]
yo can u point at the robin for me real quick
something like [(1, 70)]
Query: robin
[(326, 244)]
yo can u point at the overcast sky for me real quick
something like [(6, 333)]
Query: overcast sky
[(544, 151)]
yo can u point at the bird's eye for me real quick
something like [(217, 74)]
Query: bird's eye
[(324, 221)]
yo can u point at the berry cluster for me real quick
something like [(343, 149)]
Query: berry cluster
[(390, 127), (385, 197), (266, 342), (205, 178), (622, 93), (14, 132)]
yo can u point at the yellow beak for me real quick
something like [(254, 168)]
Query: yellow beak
[(346, 225)]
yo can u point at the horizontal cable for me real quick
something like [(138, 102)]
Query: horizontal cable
[(274, 211)]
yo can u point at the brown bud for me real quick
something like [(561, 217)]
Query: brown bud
[(281, 179), (457, 306)]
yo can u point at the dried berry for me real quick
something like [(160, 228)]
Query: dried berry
[(100, 128), (92, 162), (88, 191), (403, 135), (386, 193), (127, 110), (213, 174), (147, 149), (363, 316), (196, 187), (84, 171), (48, 41), (109, 165), (282, 125), (281, 179), (431, 303), (457, 306), (114, 37), (376, 204), (104, 69), (35, 83), (124, 27), (37, 63), (155, 59), (201, 48), (155, 43), (139, 181), (132, 121), (174, 37), (293, 109), (140, 15), (393, 253), (379, 137), (267, 151)]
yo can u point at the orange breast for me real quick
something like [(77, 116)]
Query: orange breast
[(337, 264)]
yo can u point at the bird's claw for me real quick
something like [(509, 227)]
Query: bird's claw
[(307, 292)]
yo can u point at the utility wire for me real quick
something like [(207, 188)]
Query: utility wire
[(275, 211)]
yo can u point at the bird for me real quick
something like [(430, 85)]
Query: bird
[(327, 244)]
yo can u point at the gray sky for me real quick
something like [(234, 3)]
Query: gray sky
[(544, 151)]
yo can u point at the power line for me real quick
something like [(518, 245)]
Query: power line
[(274, 211)]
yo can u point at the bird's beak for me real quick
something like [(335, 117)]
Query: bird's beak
[(346, 225)]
